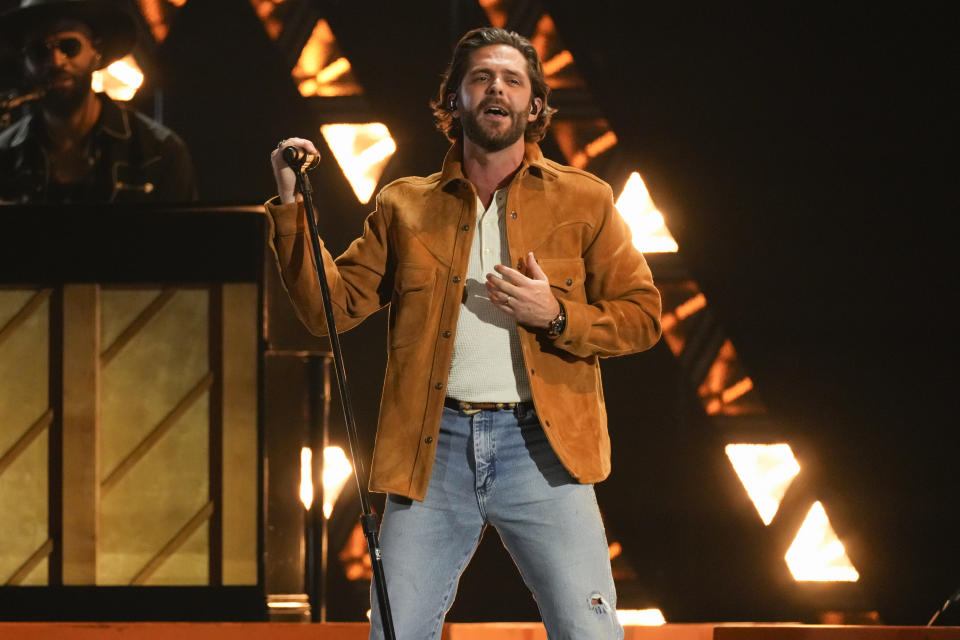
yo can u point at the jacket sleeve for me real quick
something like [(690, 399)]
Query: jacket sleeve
[(622, 311), (358, 280)]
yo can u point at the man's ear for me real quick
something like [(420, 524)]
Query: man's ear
[(535, 108)]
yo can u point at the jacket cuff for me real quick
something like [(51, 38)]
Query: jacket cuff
[(287, 220), (578, 323)]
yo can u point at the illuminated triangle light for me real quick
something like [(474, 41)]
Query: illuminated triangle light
[(766, 471), (362, 151), (336, 471), (322, 70), (817, 555), (650, 233), (120, 80)]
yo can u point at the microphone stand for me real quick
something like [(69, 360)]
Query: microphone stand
[(301, 162)]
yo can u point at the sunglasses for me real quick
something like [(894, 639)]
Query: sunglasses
[(42, 50)]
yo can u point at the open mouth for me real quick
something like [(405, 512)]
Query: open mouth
[(496, 111), (60, 81)]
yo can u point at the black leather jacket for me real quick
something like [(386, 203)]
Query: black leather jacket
[(134, 160)]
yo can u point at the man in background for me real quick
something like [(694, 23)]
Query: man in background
[(74, 145)]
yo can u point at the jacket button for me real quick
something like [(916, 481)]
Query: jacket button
[(456, 278), (513, 214), (446, 334), (519, 266), (466, 227), (569, 282), (428, 439), (438, 386)]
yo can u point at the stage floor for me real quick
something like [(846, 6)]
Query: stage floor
[(455, 631)]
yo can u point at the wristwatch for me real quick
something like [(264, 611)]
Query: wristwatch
[(558, 324)]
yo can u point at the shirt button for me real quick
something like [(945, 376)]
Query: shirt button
[(438, 386), (456, 278), (466, 227), (569, 282), (446, 334), (513, 214), (428, 439)]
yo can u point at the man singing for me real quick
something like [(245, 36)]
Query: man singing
[(508, 276)]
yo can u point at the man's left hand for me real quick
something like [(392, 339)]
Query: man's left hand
[(527, 299)]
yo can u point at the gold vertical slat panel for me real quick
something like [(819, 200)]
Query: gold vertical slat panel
[(24, 399), (240, 458), (140, 386), (79, 486)]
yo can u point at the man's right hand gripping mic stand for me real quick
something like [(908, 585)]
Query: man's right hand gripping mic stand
[(301, 162)]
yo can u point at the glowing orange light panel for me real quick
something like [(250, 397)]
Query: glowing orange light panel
[(817, 553), (362, 151), (322, 70), (640, 617), (650, 233), (336, 470), (120, 80), (766, 471)]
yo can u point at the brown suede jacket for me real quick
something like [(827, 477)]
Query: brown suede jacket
[(413, 255)]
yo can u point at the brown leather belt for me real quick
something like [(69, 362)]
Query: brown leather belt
[(475, 407)]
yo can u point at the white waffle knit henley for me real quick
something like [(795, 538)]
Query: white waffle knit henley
[(487, 363)]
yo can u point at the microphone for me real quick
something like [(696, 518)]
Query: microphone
[(300, 160), (12, 99)]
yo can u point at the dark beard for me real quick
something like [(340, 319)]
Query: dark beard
[(64, 101), (488, 141)]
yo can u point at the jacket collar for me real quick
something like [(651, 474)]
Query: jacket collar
[(113, 121), (452, 170)]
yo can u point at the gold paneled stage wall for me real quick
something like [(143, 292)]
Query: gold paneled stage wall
[(152, 379), (130, 386)]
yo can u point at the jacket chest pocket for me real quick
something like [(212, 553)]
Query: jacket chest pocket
[(410, 307), (566, 276)]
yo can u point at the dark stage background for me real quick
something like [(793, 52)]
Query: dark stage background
[(803, 155)]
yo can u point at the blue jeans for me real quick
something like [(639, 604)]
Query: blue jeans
[(496, 467)]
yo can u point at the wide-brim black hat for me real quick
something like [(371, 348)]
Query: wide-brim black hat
[(110, 23)]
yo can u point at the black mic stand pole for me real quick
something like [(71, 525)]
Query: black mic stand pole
[(298, 161)]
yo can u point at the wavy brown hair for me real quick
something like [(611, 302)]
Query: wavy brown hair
[(453, 76)]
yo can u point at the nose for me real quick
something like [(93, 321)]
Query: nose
[(495, 85), (58, 58)]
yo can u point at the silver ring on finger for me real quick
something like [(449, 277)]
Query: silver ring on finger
[(280, 144)]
